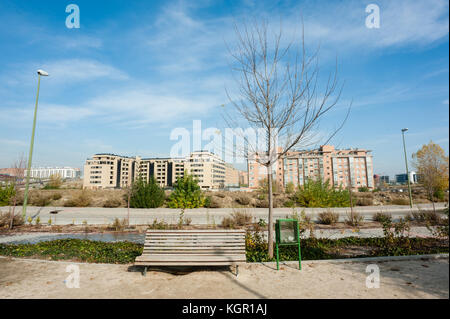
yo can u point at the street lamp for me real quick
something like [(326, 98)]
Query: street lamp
[(407, 171), (30, 155)]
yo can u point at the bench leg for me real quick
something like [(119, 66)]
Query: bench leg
[(237, 270), (144, 273)]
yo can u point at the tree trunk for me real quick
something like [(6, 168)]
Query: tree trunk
[(270, 196), (11, 223)]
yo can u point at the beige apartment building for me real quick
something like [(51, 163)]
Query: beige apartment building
[(115, 171), (208, 168), (339, 166)]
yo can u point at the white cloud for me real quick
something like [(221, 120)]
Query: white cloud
[(71, 70)]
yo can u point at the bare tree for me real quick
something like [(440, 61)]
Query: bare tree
[(278, 93), (18, 173)]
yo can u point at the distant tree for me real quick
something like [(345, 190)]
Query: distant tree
[(146, 195), (290, 188), (431, 164), (186, 193)]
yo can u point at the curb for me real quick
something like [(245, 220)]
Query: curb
[(363, 259)]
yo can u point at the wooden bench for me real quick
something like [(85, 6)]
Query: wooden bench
[(192, 248)]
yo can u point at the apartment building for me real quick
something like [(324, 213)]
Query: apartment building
[(46, 172), (339, 166), (115, 171), (232, 176), (108, 171), (208, 168)]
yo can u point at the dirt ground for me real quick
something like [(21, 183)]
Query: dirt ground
[(21, 278)]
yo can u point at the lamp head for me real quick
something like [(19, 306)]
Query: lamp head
[(42, 72), (404, 129)]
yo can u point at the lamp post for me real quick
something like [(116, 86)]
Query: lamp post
[(30, 155), (407, 171)]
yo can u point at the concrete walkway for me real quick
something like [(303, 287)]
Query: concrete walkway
[(198, 216)]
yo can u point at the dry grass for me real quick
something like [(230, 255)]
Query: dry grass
[(5, 219), (83, 199), (354, 219), (328, 218), (238, 218), (381, 217)]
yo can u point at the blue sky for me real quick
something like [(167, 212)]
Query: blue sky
[(137, 69)]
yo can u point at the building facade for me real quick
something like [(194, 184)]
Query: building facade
[(46, 172), (403, 178), (340, 167), (115, 171)]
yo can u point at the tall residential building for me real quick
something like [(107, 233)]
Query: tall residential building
[(46, 172), (338, 166), (232, 176), (115, 171), (208, 168)]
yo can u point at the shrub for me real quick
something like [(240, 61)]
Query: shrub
[(382, 217), (363, 189), (38, 199), (354, 219), (6, 193), (365, 201), (83, 199), (55, 182), (321, 194), (158, 224), (146, 195), (243, 199), (237, 218), (186, 194), (328, 218), (118, 225), (56, 196), (5, 219), (207, 203), (112, 203), (290, 188)]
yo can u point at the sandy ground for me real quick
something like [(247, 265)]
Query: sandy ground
[(21, 278)]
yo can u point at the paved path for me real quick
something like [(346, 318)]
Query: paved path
[(199, 216), (406, 278)]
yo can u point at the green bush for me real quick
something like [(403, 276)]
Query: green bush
[(186, 194), (382, 217), (321, 194), (6, 192), (146, 195), (363, 189)]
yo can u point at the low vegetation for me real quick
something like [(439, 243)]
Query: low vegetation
[(382, 217), (238, 218), (328, 218), (146, 195), (256, 246), (5, 219), (321, 194), (82, 199)]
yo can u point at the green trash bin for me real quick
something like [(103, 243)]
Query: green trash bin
[(287, 234)]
